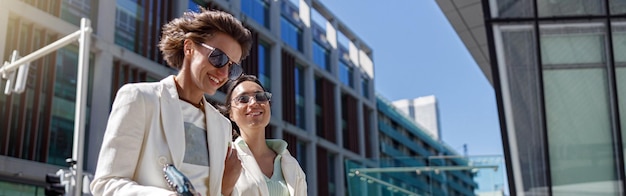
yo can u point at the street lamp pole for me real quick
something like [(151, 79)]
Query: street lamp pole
[(81, 102), (83, 35)]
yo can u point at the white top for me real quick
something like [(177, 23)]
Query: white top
[(196, 148)]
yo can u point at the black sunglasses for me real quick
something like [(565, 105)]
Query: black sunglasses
[(219, 59), (261, 97)]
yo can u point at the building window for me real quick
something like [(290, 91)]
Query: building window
[(332, 183), (617, 6), (321, 56), (324, 109), (258, 10), (301, 154), (349, 123), (193, 6), (10, 188), (290, 34), (264, 65), (73, 11), (319, 121), (138, 25), (345, 74), (619, 48), (576, 101), (365, 90), (548, 8), (299, 96)]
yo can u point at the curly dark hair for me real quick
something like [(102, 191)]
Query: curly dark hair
[(225, 108), (199, 27)]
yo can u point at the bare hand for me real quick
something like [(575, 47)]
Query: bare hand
[(232, 170)]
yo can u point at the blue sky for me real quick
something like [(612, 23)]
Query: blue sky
[(418, 53)]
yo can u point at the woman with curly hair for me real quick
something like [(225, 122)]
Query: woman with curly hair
[(169, 123)]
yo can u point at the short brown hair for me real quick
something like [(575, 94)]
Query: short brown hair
[(199, 27)]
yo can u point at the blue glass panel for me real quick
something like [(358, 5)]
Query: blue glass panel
[(320, 56), (257, 10), (299, 85), (264, 66), (193, 6), (365, 87), (290, 34), (345, 74)]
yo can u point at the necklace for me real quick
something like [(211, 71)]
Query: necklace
[(199, 105)]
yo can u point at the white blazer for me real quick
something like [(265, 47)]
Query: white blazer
[(145, 131), (252, 182)]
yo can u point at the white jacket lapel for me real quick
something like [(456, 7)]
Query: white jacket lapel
[(172, 120), (218, 135), (253, 171)]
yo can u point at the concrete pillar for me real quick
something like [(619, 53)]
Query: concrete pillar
[(307, 34), (100, 101), (332, 35)]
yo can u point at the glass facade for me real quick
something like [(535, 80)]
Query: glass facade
[(365, 84), (345, 74), (299, 94), (193, 6), (619, 48), (321, 56), (318, 106), (290, 33), (576, 99), (8, 188), (73, 10), (548, 8), (38, 124), (258, 10), (562, 94), (265, 65), (405, 145), (138, 25), (128, 14), (301, 155)]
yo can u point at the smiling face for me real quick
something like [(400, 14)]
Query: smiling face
[(204, 75), (251, 115)]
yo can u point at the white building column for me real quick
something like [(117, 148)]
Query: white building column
[(333, 35), (275, 19), (340, 174), (311, 157), (100, 99), (307, 34)]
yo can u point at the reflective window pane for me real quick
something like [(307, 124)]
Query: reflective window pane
[(290, 34), (619, 52), (321, 56), (577, 109), (257, 10), (548, 8), (618, 6), (512, 8), (345, 74), (264, 65), (299, 85)]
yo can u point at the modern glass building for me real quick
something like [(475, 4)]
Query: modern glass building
[(412, 161), (320, 72), (558, 68), (423, 110)]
